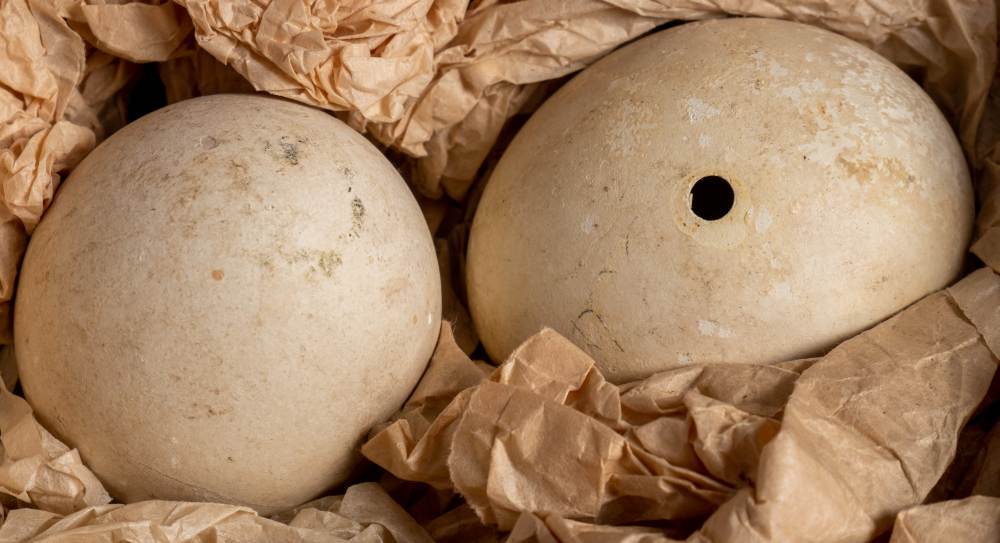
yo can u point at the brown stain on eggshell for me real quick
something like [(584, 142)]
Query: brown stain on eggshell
[(357, 217), (198, 410), (240, 176), (395, 288), (328, 262), (288, 150)]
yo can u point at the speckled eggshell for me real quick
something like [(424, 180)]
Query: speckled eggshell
[(222, 300), (852, 200)]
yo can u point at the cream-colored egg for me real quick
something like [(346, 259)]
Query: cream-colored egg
[(222, 300), (737, 190)]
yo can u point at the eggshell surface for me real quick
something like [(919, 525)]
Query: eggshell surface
[(222, 300), (736, 190)]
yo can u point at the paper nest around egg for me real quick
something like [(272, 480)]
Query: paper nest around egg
[(893, 432)]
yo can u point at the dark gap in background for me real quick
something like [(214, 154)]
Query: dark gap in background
[(147, 93)]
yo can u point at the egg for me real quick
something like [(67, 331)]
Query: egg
[(738, 190), (223, 298)]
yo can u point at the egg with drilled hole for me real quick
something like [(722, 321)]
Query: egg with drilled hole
[(223, 299), (737, 190)]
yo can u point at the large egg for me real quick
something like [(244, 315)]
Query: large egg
[(223, 298), (737, 190)]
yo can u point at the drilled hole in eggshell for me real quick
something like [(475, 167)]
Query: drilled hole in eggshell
[(712, 198)]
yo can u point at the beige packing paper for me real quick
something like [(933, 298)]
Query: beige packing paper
[(423, 79), (38, 469), (544, 446), (177, 522), (555, 529), (974, 519), (547, 435)]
